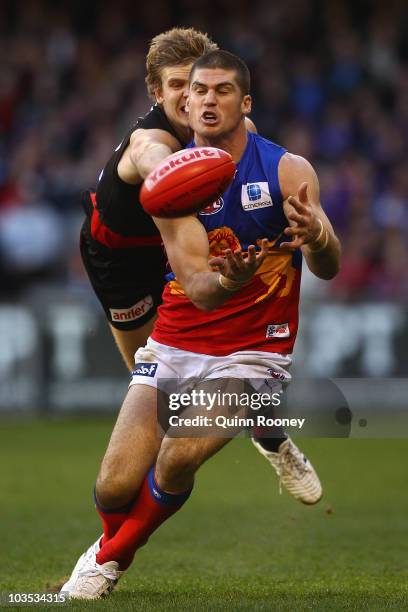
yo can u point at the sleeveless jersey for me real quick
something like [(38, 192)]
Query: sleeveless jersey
[(263, 315), (117, 217)]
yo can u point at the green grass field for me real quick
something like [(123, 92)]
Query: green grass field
[(236, 545)]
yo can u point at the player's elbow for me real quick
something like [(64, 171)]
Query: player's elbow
[(329, 271), (201, 300), (326, 275), (199, 292), (203, 305)]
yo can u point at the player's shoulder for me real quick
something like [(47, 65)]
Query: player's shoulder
[(294, 170), (293, 164), (156, 119), (266, 145), (155, 116)]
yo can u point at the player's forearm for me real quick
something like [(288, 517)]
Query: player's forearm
[(147, 156), (323, 256), (207, 292)]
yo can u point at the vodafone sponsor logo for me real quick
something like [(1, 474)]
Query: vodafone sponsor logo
[(213, 208), (183, 158), (134, 312), (278, 330)]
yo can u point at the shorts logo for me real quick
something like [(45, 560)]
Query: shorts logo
[(134, 312), (274, 374), (213, 208), (255, 195), (145, 369), (278, 330)]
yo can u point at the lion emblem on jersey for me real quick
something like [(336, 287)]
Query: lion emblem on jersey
[(220, 239)]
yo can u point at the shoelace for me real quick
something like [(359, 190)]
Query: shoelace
[(290, 460), (97, 570)]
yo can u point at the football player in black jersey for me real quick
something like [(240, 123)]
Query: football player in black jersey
[(120, 244)]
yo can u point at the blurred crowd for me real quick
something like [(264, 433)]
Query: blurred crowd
[(330, 82)]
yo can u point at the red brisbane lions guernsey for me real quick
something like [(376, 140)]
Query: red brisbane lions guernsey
[(263, 315)]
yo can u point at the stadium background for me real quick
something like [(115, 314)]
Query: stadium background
[(330, 82)]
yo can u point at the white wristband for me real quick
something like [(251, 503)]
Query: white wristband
[(320, 247)]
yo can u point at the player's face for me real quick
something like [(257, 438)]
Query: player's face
[(216, 105), (173, 93)]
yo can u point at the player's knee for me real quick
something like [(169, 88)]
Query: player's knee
[(114, 490), (176, 458)]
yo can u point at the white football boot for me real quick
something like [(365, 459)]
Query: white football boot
[(84, 559), (295, 472), (95, 581)]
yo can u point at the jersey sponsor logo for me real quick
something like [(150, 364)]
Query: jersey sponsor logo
[(278, 330), (213, 208), (134, 312), (145, 369), (184, 158), (255, 195)]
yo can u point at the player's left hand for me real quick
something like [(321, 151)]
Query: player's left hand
[(304, 225)]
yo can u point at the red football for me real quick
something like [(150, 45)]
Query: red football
[(187, 182)]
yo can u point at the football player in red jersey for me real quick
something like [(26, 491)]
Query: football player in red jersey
[(120, 244), (133, 499)]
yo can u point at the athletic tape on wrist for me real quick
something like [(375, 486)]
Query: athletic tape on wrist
[(321, 247), (228, 284)]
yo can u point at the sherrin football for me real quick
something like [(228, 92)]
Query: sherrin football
[(187, 182)]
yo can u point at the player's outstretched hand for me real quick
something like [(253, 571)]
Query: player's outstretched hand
[(306, 227), (238, 268)]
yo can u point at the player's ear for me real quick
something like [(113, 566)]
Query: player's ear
[(159, 95), (246, 104)]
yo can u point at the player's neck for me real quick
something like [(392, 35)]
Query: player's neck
[(184, 134), (233, 142)]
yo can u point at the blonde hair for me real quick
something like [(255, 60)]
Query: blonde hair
[(178, 46)]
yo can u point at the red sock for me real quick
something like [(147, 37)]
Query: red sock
[(112, 520), (152, 507)]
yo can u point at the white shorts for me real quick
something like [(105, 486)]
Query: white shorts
[(158, 362)]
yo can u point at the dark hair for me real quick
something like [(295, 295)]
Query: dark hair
[(171, 48), (226, 61)]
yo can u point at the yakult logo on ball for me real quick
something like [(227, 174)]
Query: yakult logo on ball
[(182, 158)]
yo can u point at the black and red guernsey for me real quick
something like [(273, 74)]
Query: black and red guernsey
[(121, 247), (118, 219)]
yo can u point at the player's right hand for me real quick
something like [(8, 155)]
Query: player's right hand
[(238, 268)]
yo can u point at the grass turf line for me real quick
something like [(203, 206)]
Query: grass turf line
[(236, 545)]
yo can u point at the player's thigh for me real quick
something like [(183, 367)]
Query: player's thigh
[(185, 455), (128, 341), (187, 447), (135, 441)]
